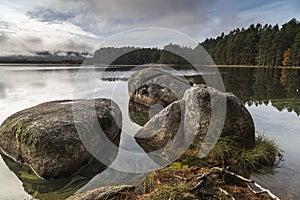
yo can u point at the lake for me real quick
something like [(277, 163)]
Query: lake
[(271, 95)]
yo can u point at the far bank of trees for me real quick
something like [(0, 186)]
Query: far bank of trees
[(257, 45)]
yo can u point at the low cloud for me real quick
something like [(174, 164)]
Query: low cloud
[(25, 35)]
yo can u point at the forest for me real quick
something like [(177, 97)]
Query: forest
[(259, 45)]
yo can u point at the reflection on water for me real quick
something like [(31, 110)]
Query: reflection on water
[(282, 126), (52, 189), (259, 86), (271, 95)]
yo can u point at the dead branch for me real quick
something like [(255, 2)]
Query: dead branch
[(196, 186), (226, 193), (248, 181)]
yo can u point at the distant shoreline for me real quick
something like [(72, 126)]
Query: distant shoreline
[(180, 66)]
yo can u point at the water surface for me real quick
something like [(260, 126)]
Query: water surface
[(271, 95)]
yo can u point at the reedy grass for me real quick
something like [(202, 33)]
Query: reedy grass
[(227, 153)]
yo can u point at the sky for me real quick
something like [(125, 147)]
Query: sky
[(30, 26)]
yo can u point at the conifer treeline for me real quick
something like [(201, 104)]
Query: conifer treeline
[(258, 45)]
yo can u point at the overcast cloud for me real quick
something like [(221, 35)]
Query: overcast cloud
[(53, 25)]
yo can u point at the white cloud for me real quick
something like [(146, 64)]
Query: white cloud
[(22, 35)]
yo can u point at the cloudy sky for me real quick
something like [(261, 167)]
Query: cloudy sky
[(61, 25)]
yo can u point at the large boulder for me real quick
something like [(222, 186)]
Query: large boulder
[(206, 112), (46, 138), (192, 117), (152, 86)]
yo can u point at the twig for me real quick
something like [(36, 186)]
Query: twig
[(181, 178), (266, 191), (233, 174), (226, 193), (248, 181), (196, 186), (203, 176)]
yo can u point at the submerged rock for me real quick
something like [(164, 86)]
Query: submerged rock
[(45, 136), (191, 118)]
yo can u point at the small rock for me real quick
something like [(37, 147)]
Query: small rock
[(106, 193)]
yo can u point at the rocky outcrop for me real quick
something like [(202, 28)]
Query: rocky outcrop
[(106, 193), (193, 117), (45, 136)]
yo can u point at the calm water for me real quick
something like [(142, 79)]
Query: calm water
[(271, 95)]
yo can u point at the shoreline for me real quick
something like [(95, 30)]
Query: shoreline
[(153, 65)]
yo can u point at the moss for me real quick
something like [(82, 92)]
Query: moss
[(22, 135), (166, 191), (178, 166), (191, 160)]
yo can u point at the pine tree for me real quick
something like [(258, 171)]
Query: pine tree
[(264, 45), (295, 55)]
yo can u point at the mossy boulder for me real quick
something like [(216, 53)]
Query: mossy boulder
[(45, 136), (192, 116)]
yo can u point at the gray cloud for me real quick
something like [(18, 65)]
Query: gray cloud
[(48, 15), (109, 16)]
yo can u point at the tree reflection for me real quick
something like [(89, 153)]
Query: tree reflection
[(257, 86)]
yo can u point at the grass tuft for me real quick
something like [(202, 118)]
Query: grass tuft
[(265, 153), (227, 153)]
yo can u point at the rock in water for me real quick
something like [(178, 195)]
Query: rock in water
[(156, 86), (238, 124), (195, 117), (45, 136)]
